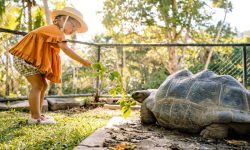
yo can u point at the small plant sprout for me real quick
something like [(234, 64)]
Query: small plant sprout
[(98, 69)]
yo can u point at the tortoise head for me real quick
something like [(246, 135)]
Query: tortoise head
[(141, 95)]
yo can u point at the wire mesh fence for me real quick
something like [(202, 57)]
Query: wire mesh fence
[(142, 66), (232, 64)]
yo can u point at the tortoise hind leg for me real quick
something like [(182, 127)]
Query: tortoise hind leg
[(215, 131), (147, 117)]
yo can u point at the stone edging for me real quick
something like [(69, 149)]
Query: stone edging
[(95, 140)]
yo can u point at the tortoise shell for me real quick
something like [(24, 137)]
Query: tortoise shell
[(190, 102)]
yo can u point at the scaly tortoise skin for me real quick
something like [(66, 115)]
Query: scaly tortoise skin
[(203, 103)]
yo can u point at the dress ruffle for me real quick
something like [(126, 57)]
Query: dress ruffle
[(40, 48)]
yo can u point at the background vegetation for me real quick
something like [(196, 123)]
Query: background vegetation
[(130, 21), (126, 21)]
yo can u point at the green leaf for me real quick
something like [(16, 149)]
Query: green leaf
[(112, 92), (122, 103), (98, 67), (126, 112), (119, 89), (113, 75), (133, 103)]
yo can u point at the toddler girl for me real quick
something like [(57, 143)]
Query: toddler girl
[(36, 57)]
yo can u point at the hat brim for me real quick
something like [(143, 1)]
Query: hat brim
[(82, 29)]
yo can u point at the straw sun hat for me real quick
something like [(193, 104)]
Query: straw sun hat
[(72, 12)]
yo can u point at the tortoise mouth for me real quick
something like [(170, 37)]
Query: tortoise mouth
[(136, 95), (140, 96)]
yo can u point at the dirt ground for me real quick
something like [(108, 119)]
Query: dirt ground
[(133, 135)]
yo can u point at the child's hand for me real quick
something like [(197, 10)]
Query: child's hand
[(86, 63)]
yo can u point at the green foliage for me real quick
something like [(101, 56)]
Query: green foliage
[(123, 16), (154, 80), (223, 4), (168, 21), (136, 21), (80, 83), (98, 69), (70, 130), (58, 4), (227, 32), (20, 26), (2, 8), (38, 19)]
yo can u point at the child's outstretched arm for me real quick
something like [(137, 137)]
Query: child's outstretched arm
[(68, 51)]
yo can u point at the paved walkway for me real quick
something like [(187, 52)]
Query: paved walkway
[(95, 140), (131, 134)]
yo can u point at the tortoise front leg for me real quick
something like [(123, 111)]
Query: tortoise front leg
[(215, 131), (147, 117)]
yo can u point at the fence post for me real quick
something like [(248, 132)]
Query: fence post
[(97, 94), (244, 61)]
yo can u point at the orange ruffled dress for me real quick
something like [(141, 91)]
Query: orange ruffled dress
[(40, 48)]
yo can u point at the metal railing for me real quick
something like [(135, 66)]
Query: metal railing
[(100, 46)]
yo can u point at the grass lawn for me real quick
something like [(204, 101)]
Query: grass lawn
[(70, 130)]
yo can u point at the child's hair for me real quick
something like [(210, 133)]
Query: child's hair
[(55, 21)]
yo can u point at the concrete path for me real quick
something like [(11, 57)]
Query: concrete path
[(130, 134), (95, 140)]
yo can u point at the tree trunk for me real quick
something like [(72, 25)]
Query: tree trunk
[(174, 62), (216, 38), (7, 85), (47, 12), (52, 89), (29, 5), (123, 75), (74, 80)]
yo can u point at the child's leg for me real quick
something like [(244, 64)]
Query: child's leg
[(45, 86), (37, 85)]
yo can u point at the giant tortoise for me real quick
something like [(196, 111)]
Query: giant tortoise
[(204, 103)]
